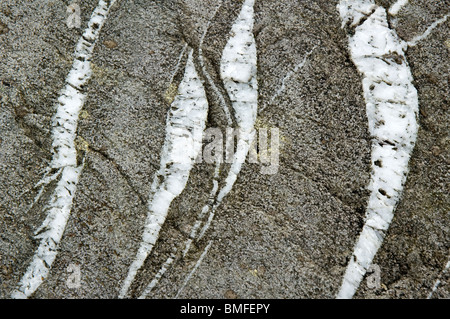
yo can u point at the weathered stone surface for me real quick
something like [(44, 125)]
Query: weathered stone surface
[(287, 235)]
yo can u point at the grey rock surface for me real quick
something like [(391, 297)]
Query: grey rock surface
[(287, 235)]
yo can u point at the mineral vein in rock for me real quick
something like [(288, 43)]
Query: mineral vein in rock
[(438, 281), (186, 122), (397, 6), (158, 276), (290, 74), (203, 212), (197, 264), (205, 71), (241, 86), (64, 156), (391, 106), (427, 32), (238, 72)]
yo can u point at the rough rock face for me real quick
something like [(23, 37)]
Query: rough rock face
[(284, 235)]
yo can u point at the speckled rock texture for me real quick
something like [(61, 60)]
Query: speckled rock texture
[(285, 235)]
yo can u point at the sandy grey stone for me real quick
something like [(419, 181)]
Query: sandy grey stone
[(287, 235)]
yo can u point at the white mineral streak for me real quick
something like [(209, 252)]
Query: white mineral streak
[(397, 6), (204, 211), (64, 157), (158, 277), (177, 66), (427, 32), (186, 122), (205, 71), (290, 74), (391, 106), (240, 50), (197, 264), (353, 11), (238, 72), (438, 281)]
